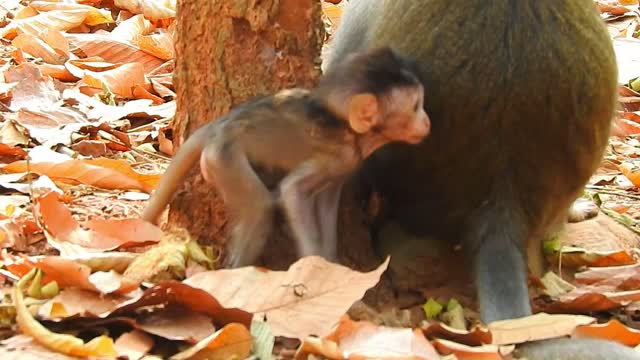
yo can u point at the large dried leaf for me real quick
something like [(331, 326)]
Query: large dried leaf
[(134, 345), (102, 173), (62, 20), (364, 340), (33, 90), (38, 48), (233, 341), (121, 80), (152, 9), (101, 234), (159, 44), (63, 343), (112, 50), (94, 16), (313, 291), (76, 301), (535, 327), (613, 330), (132, 28), (177, 323), (175, 293)]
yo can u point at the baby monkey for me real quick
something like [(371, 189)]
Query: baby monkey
[(317, 138)]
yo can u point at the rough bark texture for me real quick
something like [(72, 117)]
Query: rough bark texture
[(227, 52)]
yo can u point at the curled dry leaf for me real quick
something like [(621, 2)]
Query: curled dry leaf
[(133, 345), (62, 20), (464, 352), (233, 341), (165, 261), (177, 323), (112, 50), (175, 293), (613, 330), (120, 80), (535, 327), (151, 9), (94, 16), (56, 219), (159, 45), (74, 301), (316, 302), (38, 48), (625, 277), (475, 337), (132, 28), (365, 340), (101, 346), (102, 173)]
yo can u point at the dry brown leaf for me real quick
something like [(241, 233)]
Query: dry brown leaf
[(233, 341), (112, 50), (75, 301), (133, 345), (102, 173), (59, 72), (159, 44), (177, 323), (613, 330), (56, 218), (316, 302), (101, 346), (33, 90), (151, 9), (622, 277), (132, 28), (365, 340), (464, 352), (121, 80), (62, 20), (535, 327), (475, 337), (176, 293), (94, 16), (38, 48), (23, 347)]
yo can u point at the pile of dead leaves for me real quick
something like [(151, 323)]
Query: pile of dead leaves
[(86, 99)]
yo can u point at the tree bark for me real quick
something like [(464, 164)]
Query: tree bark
[(229, 51)]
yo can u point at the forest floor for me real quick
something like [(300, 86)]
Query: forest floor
[(86, 104)]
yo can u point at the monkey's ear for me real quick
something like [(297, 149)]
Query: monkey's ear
[(364, 112)]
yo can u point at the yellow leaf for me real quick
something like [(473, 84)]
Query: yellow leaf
[(101, 346)]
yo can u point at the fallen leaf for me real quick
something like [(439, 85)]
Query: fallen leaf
[(176, 293), (177, 323), (112, 50), (232, 341), (102, 173), (62, 20), (464, 352), (365, 340), (133, 345), (94, 16), (540, 326), (75, 301), (101, 235), (316, 302), (66, 344), (152, 9), (612, 330)]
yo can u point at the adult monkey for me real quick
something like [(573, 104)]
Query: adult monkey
[(521, 93)]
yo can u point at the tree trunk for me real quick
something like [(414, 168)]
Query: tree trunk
[(229, 51)]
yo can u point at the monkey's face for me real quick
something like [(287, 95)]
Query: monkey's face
[(406, 120)]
